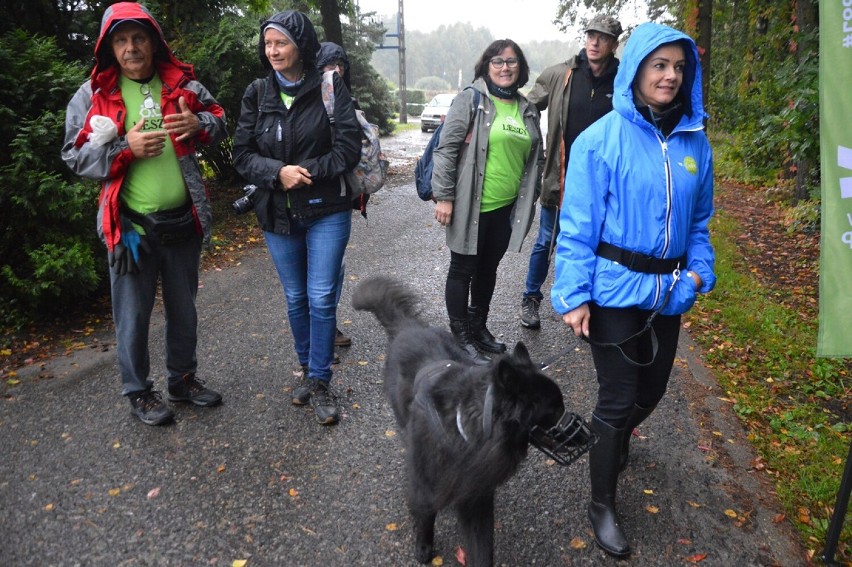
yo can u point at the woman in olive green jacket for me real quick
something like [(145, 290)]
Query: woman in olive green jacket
[(486, 180)]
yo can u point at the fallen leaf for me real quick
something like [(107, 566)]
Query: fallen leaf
[(730, 513), (239, 563), (391, 527), (684, 541), (437, 561), (648, 491), (220, 468), (697, 558), (779, 518), (460, 556), (293, 492), (153, 493), (390, 433), (116, 445), (652, 509), (694, 504), (48, 508), (363, 363), (114, 491), (578, 543)]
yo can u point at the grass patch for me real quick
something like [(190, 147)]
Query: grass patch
[(764, 356), (407, 127)]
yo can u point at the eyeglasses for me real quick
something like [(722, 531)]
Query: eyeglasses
[(498, 62)]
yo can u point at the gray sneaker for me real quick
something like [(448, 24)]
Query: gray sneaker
[(324, 403), (302, 392), (149, 407), (529, 313)]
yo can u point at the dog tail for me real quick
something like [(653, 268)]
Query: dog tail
[(392, 302)]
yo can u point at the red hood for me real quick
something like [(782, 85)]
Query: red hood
[(130, 11)]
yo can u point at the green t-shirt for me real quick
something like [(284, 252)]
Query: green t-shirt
[(152, 184), (508, 149)]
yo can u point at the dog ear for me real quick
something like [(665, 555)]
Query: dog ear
[(521, 352), (507, 378)]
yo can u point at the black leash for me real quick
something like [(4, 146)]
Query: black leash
[(655, 346)]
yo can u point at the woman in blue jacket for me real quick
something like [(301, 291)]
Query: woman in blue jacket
[(633, 248)]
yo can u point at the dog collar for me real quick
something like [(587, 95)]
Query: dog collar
[(487, 417)]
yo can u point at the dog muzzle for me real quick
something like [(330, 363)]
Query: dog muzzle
[(566, 441)]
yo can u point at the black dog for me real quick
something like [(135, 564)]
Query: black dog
[(466, 428)]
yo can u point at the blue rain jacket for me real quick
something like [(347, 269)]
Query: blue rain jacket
[(632, 187)]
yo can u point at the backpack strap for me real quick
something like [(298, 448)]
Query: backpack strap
[(476, 95), (327, 90)]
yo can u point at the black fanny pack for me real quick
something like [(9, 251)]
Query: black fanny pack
[(640, 262), (168, 227)]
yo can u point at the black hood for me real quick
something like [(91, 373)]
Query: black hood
[(330, 52), (302, 30)]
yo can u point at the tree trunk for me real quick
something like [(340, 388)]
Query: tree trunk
[(807, 17), (330, 12)]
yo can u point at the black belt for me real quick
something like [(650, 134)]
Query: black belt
[(640, 262)]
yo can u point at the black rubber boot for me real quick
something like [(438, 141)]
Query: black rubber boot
[(604, 458), (639, 415), (481, 335), (461, 331)]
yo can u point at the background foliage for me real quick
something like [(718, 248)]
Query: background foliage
[(49, 253)]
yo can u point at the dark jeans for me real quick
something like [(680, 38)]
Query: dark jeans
[(175, 266), (621, 384), (475, 276)]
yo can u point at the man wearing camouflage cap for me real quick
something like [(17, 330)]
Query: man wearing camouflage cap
[(577, 92)]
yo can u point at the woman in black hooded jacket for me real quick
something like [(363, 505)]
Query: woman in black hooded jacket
[(284, 145)]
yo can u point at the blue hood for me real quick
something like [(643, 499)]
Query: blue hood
[(644, 40)]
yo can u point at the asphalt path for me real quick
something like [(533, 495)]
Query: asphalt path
[(82, 482)]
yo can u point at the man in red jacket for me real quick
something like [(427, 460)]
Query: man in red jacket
[(134, 126)]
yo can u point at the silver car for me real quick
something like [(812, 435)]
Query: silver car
[(435, 112)]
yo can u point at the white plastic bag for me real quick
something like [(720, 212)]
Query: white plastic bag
[(104, 130)]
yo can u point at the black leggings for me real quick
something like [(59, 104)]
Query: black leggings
[(621, 384), (476, 275)]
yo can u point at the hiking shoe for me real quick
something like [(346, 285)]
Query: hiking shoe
[(149, 407), (324, 402), (302, 392), (342, 340), (529, 313), (192, 390)]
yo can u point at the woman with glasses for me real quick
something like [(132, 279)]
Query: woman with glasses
[(486, 180), (633, 247)]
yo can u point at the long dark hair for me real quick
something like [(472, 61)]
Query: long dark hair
[(493, 50)]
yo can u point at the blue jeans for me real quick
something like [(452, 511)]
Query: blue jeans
[(308, 261), (548, 230)]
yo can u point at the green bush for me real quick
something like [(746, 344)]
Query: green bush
[(48, 242)]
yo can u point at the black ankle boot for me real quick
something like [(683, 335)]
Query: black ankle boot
[(638, 415), (461, 331), (480, 334), (604, 459)]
